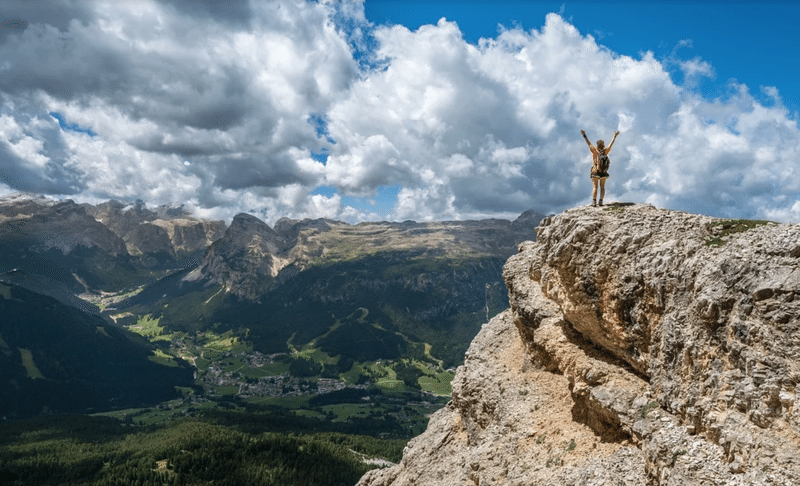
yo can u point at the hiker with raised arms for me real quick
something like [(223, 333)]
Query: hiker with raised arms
[(600, 164)]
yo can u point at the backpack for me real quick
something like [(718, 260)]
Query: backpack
[(603, 161)]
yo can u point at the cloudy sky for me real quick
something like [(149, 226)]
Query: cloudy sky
[(400, 110)]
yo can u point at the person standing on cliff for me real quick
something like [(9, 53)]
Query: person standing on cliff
[(600, 163)]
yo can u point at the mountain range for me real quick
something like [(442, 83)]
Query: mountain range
[(322, 294), (622, 344)]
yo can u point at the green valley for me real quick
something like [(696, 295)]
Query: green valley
[(199, 354)]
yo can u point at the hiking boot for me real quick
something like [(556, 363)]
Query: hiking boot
[(600, 203), (594, 203)]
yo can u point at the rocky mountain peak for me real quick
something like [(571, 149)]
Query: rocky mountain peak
[(642, 346), (527, 221), (290, 228), (247, 230), (23, 203), (245, 259), (165, 229), (244, 224), (39, 223)]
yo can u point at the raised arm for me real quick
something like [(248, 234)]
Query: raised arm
[(612, 142), (587, 139)]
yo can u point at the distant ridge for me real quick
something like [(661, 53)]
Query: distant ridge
[(348, 305)]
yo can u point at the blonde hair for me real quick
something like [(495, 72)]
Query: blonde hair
[(601, 145)]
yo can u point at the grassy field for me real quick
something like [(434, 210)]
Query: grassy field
[(345, 411), (30, 366), (5, 291), (439, 384), (149, 328), (163, 358)]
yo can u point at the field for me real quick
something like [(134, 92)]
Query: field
[(305, 381), (30, 366)]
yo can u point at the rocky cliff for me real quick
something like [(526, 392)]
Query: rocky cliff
[(245, 259), (113, 227), (111, 246), (250, 255), (642, 346), (169, 229), (39, 224)]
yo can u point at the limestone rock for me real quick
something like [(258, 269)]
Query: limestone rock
[(509, 422), (38, 224), (642, 346), (190, 235), (150, 238), (245, 258), (135, 224)]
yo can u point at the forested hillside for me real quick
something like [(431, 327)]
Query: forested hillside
[(56, 358), (221, 449)]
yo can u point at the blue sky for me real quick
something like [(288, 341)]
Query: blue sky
[(752, 42), (390, 110)]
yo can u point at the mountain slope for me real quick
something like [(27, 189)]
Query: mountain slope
[(169, 230), (642, 346), (315, 300), (367, 302), (56, 358), (251, 254), (59, 241), (367, 291), (86, 248)]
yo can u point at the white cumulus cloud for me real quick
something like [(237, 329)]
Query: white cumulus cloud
[(255, 106)]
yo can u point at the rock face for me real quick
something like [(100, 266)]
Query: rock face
[(88, 248), (642, 346), (113, 227), (39, 224), (245, 258), (169, 229), (251, 254)]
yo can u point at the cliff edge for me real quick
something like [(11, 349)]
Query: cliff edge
[(642, 346)]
